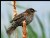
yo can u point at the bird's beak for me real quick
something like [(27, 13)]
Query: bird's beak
[(35, 11)]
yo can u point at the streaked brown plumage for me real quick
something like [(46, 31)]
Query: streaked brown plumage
[(17, 20)]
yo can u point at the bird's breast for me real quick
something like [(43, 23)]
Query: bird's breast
[(29, 19)]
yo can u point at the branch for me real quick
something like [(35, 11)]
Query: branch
[(14, 9), (24, 29)]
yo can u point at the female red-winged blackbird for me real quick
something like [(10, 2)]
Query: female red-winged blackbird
[(17, 20)]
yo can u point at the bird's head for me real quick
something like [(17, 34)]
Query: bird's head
[(30, 10)]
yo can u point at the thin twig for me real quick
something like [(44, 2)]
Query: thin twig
[(15, 12), (24, 29), (14, 9)]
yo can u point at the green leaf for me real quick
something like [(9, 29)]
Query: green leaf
[(2, 35), (31, 33), (41, 25)]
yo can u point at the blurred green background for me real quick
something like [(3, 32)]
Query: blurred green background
[(38, 28)]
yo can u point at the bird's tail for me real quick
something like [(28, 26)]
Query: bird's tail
[(11, 29)]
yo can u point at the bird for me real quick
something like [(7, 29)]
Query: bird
[(27, 15)]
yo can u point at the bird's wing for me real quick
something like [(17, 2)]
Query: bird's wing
[(19, 19), (18, 16)]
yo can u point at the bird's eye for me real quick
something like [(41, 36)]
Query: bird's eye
[(31, 10)]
